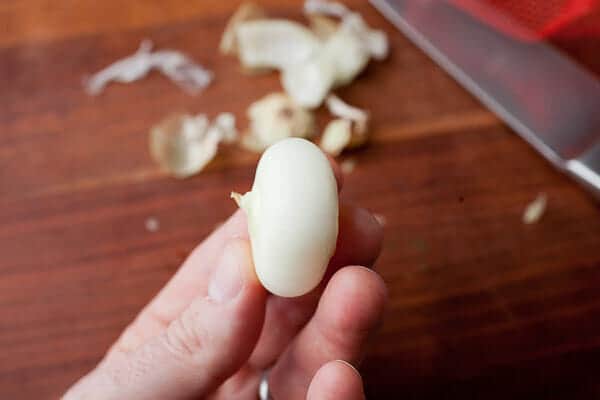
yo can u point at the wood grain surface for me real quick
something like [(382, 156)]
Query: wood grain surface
[(481, 305)]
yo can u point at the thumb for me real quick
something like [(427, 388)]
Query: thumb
[(336, 380), (210, 340)]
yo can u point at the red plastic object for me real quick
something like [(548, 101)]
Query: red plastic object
[(536, 19)]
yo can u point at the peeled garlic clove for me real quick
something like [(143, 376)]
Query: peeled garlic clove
[(276, 117), (292, 215), (336, 136), (245, 12), (309, 83), (274, 43)]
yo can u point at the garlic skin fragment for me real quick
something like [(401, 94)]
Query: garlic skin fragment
[(341, 109), (378, 45), (312, 61), (342, 56), (340, 59), (349, 130), (322, 26), (325, 7), (381, 219), (292, 213), (275, 117), (374, 41), (188, 75), (349, 54), (336, 136), (183, 144), (152, 224), (310, 82), (275, 44), (535, 210), (225, 123), (347, 166), (245, 12)]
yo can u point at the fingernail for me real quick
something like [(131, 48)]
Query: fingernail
[(349, 365), (227, 279)]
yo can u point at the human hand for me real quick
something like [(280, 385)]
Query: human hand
[(213, 329)]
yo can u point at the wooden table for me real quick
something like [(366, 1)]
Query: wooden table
[(481, 304)]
